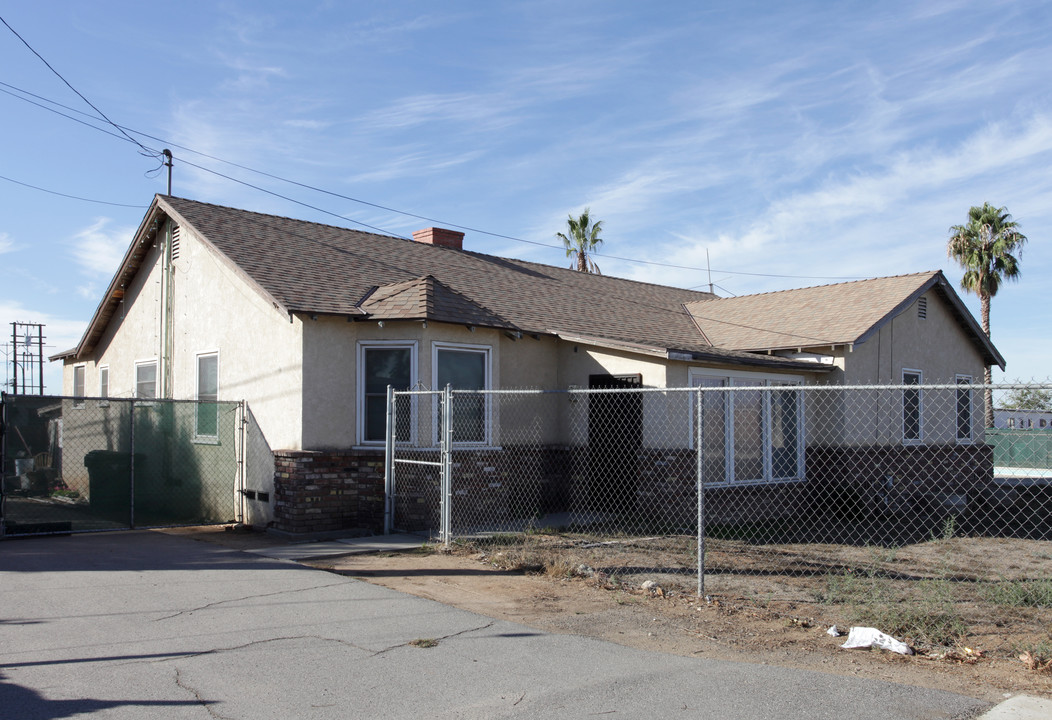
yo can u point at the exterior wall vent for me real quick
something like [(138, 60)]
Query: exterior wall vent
[(175, 242), (922, 308)]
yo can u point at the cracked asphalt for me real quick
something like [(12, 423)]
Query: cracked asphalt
[(147, 625)]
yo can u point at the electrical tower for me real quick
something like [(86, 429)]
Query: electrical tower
[(27, 358)]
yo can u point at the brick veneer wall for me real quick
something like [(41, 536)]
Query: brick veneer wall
[(328, 492), (900, 476)]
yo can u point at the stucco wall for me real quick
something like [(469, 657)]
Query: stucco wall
[(258, 345), (131, 337), (937, 346), (215, 310), (331, 349)]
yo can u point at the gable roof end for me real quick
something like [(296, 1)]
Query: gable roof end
[(827, 315)]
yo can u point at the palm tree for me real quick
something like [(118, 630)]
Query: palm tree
[(582, 241), (984, 247)]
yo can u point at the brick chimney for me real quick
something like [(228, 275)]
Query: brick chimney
[(440, 236)]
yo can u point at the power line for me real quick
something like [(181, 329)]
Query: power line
[(380, 230), (292, 200), (378, 206), (72, 197), (61, 114), (150, 153)]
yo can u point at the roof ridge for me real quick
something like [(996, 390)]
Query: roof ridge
[(285, 217), (597, 276), (531, 263), (926, 273)]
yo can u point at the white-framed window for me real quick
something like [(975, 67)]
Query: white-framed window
[(382, 363), (206, 414), (753, 435), (465, 367), (146, 379), (964, 408), (912, 408), (79, 373), (104, 384)]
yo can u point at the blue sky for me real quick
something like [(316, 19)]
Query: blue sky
[(797, 144)]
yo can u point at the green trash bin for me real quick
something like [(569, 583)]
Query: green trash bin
[(109, 485)]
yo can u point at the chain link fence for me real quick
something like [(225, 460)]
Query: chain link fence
[(79, 464), (862, 494)]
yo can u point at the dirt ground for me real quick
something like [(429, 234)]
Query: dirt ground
[(778, 629)]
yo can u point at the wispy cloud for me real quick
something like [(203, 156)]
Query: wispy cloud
[(99, 249), (251, 76), (6, 243), (491, 111), (414, 164), (863, 213)]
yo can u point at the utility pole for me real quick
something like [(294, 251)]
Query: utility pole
[(5, 348), (24, 355), (168, 164)]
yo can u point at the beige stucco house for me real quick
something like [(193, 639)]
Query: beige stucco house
[(309, 323)]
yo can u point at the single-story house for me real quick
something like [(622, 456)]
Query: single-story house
[(310, 323)]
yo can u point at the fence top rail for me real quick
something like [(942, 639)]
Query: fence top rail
[(12, 397), (732, 388)]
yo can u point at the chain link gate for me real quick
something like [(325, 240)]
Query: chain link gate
[(74, 464), (417, 462)]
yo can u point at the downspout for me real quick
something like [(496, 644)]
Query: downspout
[(164, 371)]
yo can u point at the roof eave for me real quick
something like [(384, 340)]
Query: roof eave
[(103, 312), (757, 360), (938, 281), (993, 355), (611, 344), (730, 357), (128, 268)]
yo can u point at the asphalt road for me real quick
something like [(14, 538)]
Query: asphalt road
[(146, 625)]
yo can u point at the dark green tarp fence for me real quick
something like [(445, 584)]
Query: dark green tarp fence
[(1021, 448), (75, 464)]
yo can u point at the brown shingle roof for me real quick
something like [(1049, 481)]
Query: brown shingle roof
[(428, 299), (804, 317), (824, 315), (312, 268)]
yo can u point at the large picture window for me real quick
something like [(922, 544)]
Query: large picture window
[(206, 420), (751, 435), (465, 367), (380, 365)]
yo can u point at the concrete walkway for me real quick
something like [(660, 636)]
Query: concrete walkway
[(342, 546), (147, 625)]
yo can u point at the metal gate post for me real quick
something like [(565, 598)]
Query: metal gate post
[(446, 450), (700, 452), (131, 467), (242, 460), (389, 466), (3, 459)]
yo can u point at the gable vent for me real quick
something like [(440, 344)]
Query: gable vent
[(175, 242), (922, 308)]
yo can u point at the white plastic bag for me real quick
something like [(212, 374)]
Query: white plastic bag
[(864, 637)]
